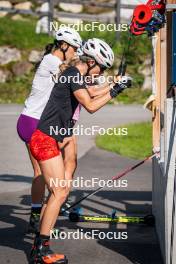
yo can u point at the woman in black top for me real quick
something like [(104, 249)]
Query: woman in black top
[(56, 124)]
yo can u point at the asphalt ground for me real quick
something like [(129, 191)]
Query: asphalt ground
[(141, 245)]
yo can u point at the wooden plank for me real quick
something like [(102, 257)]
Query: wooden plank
[(97, 4), (85, 17), (163, 91), (23, 11), (171, 1), (156, 120), (87, 3), (163, 72)]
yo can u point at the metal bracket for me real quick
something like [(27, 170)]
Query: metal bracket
[(170, 6)]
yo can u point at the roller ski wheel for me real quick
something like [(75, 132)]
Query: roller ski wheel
[(74, 215), (42, 254), (149, 220), (34, 221)]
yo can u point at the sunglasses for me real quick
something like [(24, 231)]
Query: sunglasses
[(75, 48), (102, 68)]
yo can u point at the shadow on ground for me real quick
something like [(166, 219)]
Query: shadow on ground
[(15, 178), (141, 246)]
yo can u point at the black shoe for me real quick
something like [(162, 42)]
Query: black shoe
[(34, 223), (42, 254)]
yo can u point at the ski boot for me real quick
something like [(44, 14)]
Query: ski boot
[(34, 223), (42, 254)]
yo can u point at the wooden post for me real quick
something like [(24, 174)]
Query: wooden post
[(156, 119), (117, 18), (163, 91), (163, 69), (50, 15)]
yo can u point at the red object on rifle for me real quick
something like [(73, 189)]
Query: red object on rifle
[(146, 16), (142, 14)]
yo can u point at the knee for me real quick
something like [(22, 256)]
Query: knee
[(60, 194)]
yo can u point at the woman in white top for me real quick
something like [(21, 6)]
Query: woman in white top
[(64, 48)]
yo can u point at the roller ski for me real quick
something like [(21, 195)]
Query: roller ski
[(42, 254), (77, 215), (34, 223)]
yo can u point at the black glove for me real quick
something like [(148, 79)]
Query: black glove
[(124, 83)]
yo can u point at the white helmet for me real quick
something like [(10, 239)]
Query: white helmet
[(100, 51), (69, 35), (80, 51)]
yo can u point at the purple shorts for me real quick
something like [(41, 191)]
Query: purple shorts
[(26, 126)]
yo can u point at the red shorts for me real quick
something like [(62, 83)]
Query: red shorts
[(43, 147)]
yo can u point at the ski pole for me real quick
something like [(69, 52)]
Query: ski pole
[(118, 176)]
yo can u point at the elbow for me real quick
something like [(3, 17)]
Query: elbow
[(91, 109), (92, 94)]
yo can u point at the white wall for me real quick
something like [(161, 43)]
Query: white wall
[(164, 188)]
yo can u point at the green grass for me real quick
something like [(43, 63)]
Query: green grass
[(21, 34), (137, 144), (133, 96), (16, 90)]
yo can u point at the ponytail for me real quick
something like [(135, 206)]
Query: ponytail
[(48, 49)]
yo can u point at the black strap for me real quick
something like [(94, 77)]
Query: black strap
[(64, 51), (123, 63), (90, 68)]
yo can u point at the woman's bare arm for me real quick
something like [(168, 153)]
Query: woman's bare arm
[(102, 89), (98, 90), (94, 104), (91, 104)]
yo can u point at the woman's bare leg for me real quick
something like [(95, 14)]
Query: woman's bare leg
[(69, 153), (52, 169), (38, 183), (70, 157)]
